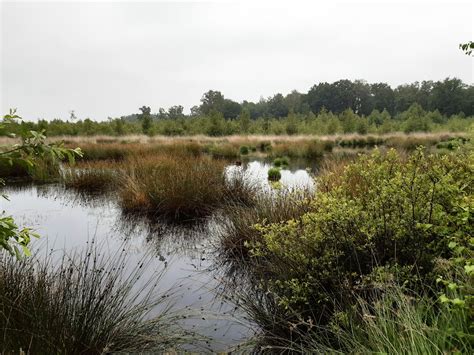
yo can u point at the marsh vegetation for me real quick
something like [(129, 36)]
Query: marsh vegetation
[(363, 237)]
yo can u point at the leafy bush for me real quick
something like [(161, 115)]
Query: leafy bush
[(382, 211)]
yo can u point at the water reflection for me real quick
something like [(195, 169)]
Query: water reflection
[(68, 220), (257, 173)]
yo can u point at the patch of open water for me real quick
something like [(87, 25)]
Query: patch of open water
[(67, 222)]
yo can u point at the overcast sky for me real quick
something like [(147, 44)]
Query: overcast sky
[(109, 58)]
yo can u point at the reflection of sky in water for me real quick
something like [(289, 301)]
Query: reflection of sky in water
[(256, 172), (67, 223)]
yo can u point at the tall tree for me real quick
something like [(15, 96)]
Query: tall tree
[(145, 118)]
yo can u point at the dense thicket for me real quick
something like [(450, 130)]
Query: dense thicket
[(341, 107)]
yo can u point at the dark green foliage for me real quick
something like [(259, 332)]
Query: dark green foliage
[(244, 150), (146, 119), (281, 162), (274, 174), (327, 108), (380, 212)]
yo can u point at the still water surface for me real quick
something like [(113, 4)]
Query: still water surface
[(68, 222)]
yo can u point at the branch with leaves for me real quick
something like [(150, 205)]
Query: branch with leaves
[(467, 47), (32, 149)]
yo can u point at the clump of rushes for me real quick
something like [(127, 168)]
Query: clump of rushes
[(91, 176), (244, 150), (264, 146), (238, 221), (86, 303), (240, 189), (281, 162), (274, 174), (179, 189)]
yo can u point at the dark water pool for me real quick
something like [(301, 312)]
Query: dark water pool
[(68, 222)]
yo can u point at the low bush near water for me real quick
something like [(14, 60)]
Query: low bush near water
[(383, 211)]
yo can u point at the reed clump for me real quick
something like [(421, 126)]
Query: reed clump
[(94, 176), (238, 221), (180, 189), (85, 303)]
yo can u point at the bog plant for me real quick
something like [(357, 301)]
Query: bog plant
[(178, 189), (274, 174), (382, 211), (281, 162), (87, 302), (244, 150)]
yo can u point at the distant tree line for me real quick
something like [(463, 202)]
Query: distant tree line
[(449, 97), (327, 108)]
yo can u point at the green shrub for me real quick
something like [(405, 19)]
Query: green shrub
[(274, 174), (381, 211), (281, 162), (244, 150)]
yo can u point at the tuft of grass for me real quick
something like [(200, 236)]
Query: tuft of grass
[(105, 151), (238, 221), (83, 303), (244, 150), (44, 170), (98, 176), (223, 150), (274, 174), (178, 189), (309, 149), (281, 162), (392, 323)]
